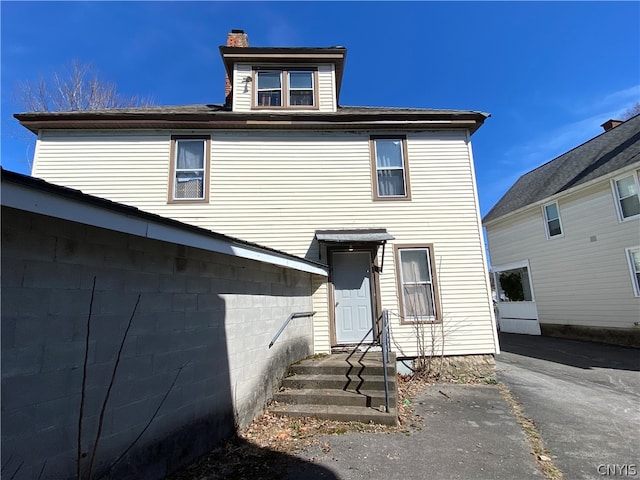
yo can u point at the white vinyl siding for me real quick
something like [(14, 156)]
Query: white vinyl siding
[(572, 278), (277, 188)]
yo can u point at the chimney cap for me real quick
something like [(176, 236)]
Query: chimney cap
[(236, 30)]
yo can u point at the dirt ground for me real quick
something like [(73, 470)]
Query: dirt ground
[(261, 451)]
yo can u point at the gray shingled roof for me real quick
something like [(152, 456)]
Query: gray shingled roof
[(199, 109), (606, 153)]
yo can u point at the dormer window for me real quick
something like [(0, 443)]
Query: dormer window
[(269, 89), (285, 88)]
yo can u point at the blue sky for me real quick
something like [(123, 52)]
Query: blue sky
[(548, 72)]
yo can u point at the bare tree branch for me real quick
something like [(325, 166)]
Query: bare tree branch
[(76, 87), (631, 112)]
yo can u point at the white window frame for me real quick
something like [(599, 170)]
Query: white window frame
[(618, 199), (635, 282), (498, 269), (547, 220)]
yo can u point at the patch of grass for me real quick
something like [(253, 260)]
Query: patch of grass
[(543, 457), (491, 380)]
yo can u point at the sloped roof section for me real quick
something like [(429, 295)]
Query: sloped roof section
[(210, 116), (35, 195), (606, 153)]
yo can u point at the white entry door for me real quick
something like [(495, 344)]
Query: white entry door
[(351, 273), (517, 312)]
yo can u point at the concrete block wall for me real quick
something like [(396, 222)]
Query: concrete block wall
[(195, 362)]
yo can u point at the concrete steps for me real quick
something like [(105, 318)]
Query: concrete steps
[(345, 387)]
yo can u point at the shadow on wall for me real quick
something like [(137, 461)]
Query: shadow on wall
[(176, 383)]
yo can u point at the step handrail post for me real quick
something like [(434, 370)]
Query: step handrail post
[(385, 356)]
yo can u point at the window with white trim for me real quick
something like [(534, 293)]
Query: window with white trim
[(626, 191), (189, 169), (552, 220), (418, 292), (282, 88), (389, 168), (633, 256)]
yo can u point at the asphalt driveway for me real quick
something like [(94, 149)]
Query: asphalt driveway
[(583, 397)]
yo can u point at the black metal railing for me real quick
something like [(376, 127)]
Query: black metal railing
[(286, 322), (386, 347)]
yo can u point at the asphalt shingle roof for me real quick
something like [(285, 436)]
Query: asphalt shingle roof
[(199, 109), (606, 153)]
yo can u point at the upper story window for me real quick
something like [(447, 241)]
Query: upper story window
[(189, 177), (633, 255), (286, 88), (389, 168), (552, 220), (627, 198)]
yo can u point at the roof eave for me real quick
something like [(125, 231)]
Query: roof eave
[(377, 121)]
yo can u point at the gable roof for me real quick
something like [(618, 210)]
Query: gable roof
[(30, 194), (604, 154)]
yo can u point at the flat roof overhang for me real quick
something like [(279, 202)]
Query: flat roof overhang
[(363, 235)]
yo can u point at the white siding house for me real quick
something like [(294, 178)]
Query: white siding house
[(575, 224), (282, 164)]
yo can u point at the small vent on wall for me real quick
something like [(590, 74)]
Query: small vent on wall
[(593, 238)]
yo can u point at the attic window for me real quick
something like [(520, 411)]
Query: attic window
[(285, 88)]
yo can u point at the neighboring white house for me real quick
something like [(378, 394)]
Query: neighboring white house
[(564, 242), (386, 197)]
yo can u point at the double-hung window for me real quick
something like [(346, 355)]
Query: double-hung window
[(282, 88), (269, 88), (626, 190), (389, 168), (417, 288), (552, 220), (189, 179), (300, 88), (633, 256)]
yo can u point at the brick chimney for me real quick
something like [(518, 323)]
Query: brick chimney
[(609, 124), (235, 38)]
